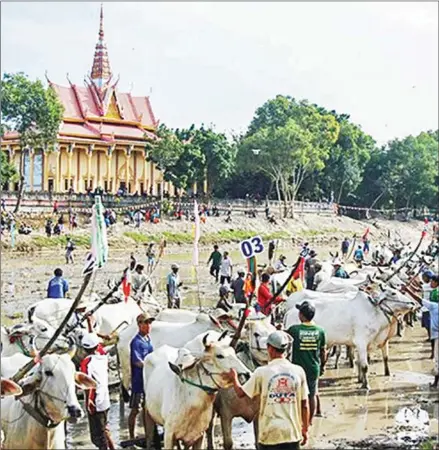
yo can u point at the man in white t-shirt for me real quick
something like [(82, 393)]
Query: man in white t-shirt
[(226, 267), (95, 365), (283, 395)]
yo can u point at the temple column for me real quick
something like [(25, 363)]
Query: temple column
[(89, 155), (151, 168), (45, 186), (11, 156), (31, 153), (127, 166), (57, 183), (109, 159), (145, 175), (69, 163)]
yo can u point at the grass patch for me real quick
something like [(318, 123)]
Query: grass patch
[(313, 233), (58, 241), (222, 236)]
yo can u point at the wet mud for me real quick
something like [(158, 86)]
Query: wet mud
[(398, 411)]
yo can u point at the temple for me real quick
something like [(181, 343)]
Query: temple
[(101, 141)]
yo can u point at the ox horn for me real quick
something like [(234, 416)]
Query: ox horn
[(381, 287), (71, 351), (205, 340), (223, 335)]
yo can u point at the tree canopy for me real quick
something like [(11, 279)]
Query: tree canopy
[(191, 155)]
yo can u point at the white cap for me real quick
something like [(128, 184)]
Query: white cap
[(278, 340), (90, 340)]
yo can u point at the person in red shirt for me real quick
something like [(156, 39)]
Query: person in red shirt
[(265, 295)]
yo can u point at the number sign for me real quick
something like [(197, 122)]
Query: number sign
[(251, 247)]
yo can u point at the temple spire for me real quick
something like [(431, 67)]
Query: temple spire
[(101, 72)]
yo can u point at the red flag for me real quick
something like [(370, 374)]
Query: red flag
[(366, 233), (424, 231), (126, 285), (300, 269)]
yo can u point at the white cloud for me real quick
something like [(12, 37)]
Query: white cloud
[(217, 62)]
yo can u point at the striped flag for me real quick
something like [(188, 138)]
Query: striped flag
[(196, 234), (99, 244)]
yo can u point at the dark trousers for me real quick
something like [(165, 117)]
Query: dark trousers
[(310, 282), (283, 446), (214, 271), (223, 279)]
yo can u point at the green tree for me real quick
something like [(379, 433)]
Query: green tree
[(190, 155), (178, 156), (33, 111), (8, 171), (288, 140), (403, 174), (347, 160)]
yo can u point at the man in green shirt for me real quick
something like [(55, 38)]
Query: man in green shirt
[(216, 258), (434, 283), (309, 350)]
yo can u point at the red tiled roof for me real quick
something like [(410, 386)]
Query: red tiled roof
[(80, 103)]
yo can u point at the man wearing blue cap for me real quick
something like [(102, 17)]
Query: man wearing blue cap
[(283, 395)]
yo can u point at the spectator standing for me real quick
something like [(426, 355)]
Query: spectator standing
[(150, 254), (345, 247), (215, 260), (282, 392), (58, 286), (95, 365), (226, 268), (70, 247), (140, 347), (309, 350), (310, 269), (237, 286), (173, 284)]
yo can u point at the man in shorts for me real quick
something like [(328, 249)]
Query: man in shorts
[(283, 395), (140, 347), (95, 365), (309, 350)]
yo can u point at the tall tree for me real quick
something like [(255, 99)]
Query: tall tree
[(288, 140), (33, 111), (191, 155), (402, 174), (347, 159)]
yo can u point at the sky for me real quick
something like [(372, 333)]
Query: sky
[(215, 63)]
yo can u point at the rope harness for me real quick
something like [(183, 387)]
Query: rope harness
[(208, 389)]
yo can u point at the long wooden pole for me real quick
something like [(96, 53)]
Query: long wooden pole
[(22, 372)]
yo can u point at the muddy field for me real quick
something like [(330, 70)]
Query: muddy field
[(351, 416)]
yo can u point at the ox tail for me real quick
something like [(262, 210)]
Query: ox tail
[(30, 313)]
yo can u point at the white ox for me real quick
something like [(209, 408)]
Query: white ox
[(179, 385), (356, 321), (254, 334), (49, 395), (108, 316), (162, 333), (17, 339)]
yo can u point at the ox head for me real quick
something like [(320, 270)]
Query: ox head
[(211, 364), (255, 335), (54, 378), (10, 388), (396, 301)]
